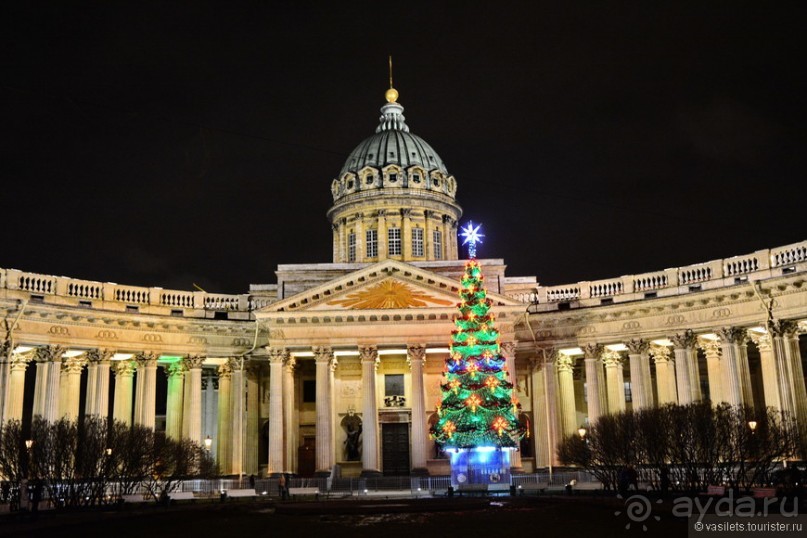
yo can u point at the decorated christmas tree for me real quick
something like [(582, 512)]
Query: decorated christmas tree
[(478, 413)]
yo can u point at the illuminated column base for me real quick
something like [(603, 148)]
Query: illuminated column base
[(481, 465)]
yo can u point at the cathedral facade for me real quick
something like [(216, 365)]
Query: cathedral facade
[(338, 365)]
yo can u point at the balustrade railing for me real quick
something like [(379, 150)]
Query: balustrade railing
[(784, 259)]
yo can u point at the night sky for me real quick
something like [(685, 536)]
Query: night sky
[(162, 144)]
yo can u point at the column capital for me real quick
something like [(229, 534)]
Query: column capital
[(684, 340), (19, 362), (225, 370), (784, 327), (277, 354), (381, 213), (637, 346), (98, 355), (564, 363), (358, 216), (175, 369), (145, 359), (761, 340), (49, 353), (709, 347), (74, 365), (368, 354), (611, 359), (290, 363), (124, 368), (660, 353), (508, 349), (416, 352), (732, 335), (193, 362), (592, 351), (406, 212), (322, 353)]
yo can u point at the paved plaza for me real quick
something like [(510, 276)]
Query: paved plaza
[(546, 517)]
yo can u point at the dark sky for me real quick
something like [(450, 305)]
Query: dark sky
[(170, 143)]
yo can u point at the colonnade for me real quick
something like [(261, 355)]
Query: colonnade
[(677, 379)]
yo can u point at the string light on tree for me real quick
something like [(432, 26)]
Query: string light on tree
[(478, 416)]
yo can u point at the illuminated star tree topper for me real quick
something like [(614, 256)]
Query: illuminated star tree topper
[(471, 236)]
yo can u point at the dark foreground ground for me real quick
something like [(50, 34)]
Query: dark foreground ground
[(387, 519)]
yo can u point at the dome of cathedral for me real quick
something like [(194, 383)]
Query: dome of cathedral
[(393, 158), (392, 143)]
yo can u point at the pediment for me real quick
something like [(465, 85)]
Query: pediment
[(387, 285)]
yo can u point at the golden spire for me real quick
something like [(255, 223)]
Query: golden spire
[(392, 93)]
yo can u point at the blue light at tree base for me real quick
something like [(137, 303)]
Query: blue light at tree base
[(480, 465)]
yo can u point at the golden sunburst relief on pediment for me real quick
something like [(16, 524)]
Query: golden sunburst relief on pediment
[(389, 294)]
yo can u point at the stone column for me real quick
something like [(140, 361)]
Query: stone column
[(417, 357), (290, 432), (369, 408), (97, 401), (52, 410), (90, 403), (124, 383), (46, 388), (446, 237), (102, 381), (276, 358), (406, 234), (224, 443), (791, 333), (564, 364), (638, 383), (173, 406), (382, 235), (615, 381), (770, 386), (428, 244), (683, 346), (784, 368), (210, 386), (591, 355), (16, 386), (252, 427), (665, 375), (508, 350), (324, 457), (73, 367), (193, 382), (42, 362), (343, 240), (237, 406), (546, 429), (732, 383), (745, 370), (336, 254), (711, 348), (361, 239), (145, 399)]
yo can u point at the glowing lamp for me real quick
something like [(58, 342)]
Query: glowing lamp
[(752, 424), (581, 431), (208, 442)]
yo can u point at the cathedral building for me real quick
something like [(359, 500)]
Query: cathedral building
[(338, 365)]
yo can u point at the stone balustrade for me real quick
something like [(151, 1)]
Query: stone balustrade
[(75, 292), (759, 265)]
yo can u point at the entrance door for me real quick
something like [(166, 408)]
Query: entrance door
[(395, 449), (306, 457)]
